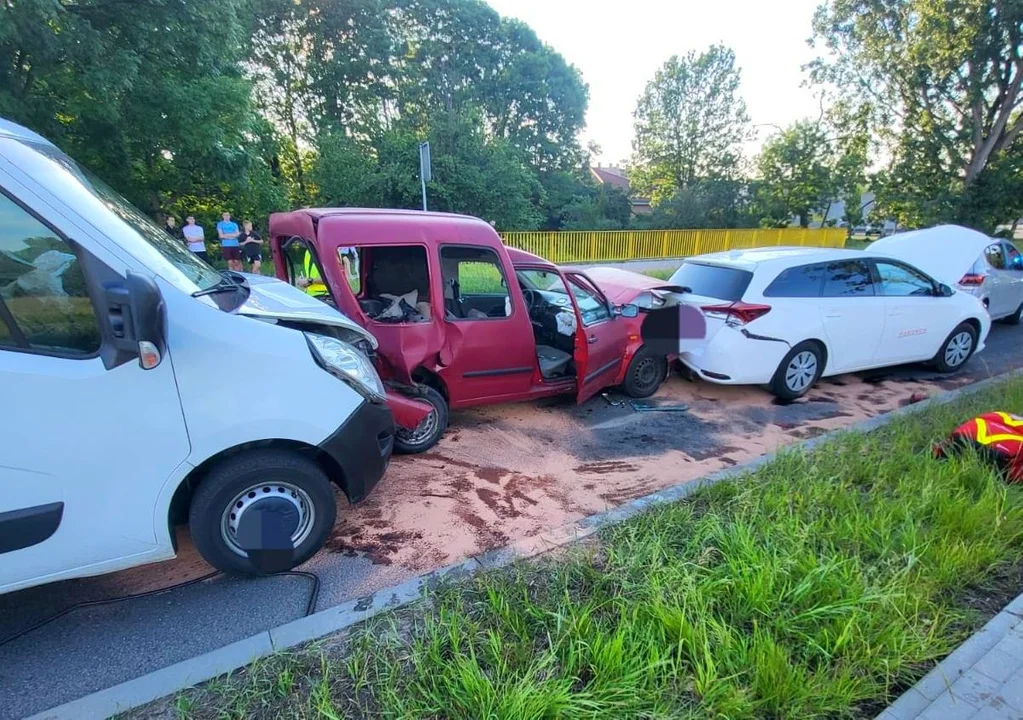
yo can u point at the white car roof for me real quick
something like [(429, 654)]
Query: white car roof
[(10, 129), (776, 257), (945, 252)]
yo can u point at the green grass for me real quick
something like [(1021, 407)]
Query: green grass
[(819, 586), (660, 273)]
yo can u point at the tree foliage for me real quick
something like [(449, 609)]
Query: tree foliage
[(258, 105), (942, 84), (690, 124), (724, 203), (807, 167), (147, 94)]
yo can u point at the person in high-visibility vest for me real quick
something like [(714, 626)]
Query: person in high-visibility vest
[(311, 280)]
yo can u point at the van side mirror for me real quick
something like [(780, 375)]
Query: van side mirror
[(627, 311), (136, 315)]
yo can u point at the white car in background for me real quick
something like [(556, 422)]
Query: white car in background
[(989, 268), (785, 317)]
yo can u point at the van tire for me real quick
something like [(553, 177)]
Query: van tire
[(780, 386), (944, 364), (286, 477), (647, 370), (424, 437)]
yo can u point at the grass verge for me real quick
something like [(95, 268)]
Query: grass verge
[(821, 585)]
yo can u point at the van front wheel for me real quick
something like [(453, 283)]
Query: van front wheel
[(261, 512)]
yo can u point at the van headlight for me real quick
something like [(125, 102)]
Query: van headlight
[(345, 362)]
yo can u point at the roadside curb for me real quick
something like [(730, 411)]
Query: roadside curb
[(187, 673)]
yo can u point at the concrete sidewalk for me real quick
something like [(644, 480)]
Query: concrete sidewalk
[(981, 679)]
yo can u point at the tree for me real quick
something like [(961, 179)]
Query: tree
[(808, 166), (724, 203), (115, 85), (942, 83), (461, 56), (690, 124)]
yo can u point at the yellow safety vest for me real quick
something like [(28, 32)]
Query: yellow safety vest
[(312, 272)]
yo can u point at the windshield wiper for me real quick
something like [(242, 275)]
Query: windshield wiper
[(229, 282)]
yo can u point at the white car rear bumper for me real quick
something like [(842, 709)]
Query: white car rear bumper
[(734, 358)]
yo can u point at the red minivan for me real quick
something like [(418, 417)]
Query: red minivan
[(463, 320)]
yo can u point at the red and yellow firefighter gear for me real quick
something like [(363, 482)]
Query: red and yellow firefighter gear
[(998, 435)]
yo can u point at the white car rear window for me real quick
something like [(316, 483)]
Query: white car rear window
[(715, 281)]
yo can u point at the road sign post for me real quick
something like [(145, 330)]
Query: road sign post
[(425, 171)]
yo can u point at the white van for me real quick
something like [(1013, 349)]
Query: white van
[(140, 388)]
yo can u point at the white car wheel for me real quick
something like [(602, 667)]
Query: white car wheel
[(957, 348), (798, 371)]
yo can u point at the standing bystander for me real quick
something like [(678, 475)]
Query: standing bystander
[(228, 232), (195, 238), (170, 226), (252, 246)]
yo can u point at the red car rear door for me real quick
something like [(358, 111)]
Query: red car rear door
[(601, 340)]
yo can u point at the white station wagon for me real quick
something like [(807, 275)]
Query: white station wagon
[(787, 316)]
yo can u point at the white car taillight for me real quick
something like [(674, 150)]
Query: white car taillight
[(972, 280), (737, 313)]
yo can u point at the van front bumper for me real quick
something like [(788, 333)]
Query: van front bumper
[(362, 448)]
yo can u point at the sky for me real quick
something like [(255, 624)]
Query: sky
[(619, 45)]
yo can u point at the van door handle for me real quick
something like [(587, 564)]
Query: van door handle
[(592, 340)]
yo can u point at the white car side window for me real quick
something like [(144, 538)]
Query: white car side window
[(995, 258), (900, 281)]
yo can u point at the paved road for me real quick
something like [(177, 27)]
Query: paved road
[(548, 465)]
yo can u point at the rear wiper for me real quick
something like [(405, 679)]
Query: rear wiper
[(229, 282)]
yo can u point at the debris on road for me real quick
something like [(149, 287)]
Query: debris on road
[(645, 406)]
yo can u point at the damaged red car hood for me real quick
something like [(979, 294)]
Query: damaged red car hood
[(625, 286)]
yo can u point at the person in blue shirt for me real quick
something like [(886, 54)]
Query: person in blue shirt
[(228, 232)]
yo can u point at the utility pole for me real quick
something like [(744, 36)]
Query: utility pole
[(425, 171)]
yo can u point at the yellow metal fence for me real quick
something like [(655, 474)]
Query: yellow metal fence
[(599, 246)]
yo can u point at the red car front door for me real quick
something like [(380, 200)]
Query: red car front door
[(601, 340), (489, 354)]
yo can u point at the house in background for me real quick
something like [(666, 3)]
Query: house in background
[(615, 177)]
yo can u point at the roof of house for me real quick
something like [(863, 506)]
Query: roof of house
[(616, 178)]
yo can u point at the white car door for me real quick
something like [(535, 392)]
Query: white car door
[(1013, 278), (852, 314), (89, 437), (915, 320)]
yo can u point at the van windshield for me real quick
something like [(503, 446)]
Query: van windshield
[(81, 189)]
